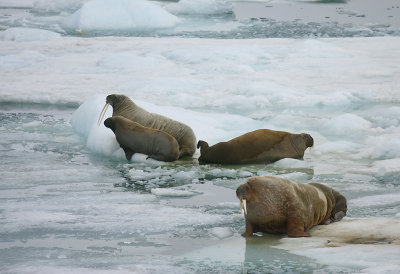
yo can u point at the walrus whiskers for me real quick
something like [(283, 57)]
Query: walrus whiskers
[(102, 113)]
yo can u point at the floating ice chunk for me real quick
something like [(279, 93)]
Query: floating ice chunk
[(244, 174), (207, 7), (87, 114), (16, 4), (221, 232), (57, 6), (139, 174), (217, 172), (296, 176), (172, 192), (385, 146), (386, 166), (355, 243), (338, 147), (290, 163), (375, 200), (119, 15), (22, 61), (187, 176), (347, 124), (28, 35), (315, 48), (230, 205), (264, 173)]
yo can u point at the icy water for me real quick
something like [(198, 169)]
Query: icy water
[(70, 202)]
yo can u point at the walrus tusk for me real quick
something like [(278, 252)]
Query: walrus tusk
[(243, 206), (102, 113)]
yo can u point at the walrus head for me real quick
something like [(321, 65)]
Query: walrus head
[(340, 208), (244, 194), (109, 122), (116, 101), (202, 144), (307, 139)]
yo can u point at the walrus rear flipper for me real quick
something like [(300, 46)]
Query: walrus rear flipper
[(128, 153)]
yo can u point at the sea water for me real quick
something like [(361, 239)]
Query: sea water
[(71, 202)]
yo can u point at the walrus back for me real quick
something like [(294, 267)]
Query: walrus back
[(183, 134), (304, 199), (252, 147)]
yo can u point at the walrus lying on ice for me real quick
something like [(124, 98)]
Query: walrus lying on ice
[(123, 106), (276, 205), (134, 138), (259, 146)]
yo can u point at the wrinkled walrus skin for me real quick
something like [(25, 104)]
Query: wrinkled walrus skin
[(259, 146), (135, 138), (184, 135), (276, 205)]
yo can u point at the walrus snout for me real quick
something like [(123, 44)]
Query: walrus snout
[(308, 139), (202, 144), (242, 191), (110, 99), (340, 208), (338, 216)]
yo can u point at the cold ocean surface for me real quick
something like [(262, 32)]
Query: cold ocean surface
[(70, 202)]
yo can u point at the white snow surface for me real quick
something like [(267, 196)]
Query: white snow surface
[(73, 182)]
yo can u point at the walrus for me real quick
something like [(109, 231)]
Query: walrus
[(135, 138), (123, 106), (259, 146), (276, 205)]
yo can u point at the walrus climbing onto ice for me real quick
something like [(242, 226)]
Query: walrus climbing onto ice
[(259, 146), (276, 205), (135, 138), (123, 106)]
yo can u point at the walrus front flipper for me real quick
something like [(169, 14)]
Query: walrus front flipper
[(249, 229), (128, 152)]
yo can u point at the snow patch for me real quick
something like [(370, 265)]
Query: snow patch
[(28, 35)]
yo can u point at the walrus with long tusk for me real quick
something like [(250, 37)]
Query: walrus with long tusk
[(259, 146), (135, 138), (276, 205), (123, 106)]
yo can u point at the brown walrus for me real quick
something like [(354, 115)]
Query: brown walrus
[(135, 138), (123, 106), (259, 146), (276, 205)]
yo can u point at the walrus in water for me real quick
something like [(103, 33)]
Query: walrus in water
[(259, 146), (123, 106), (135, 138), (276, 205)]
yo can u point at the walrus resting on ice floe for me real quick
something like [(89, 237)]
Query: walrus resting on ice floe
[(134, 138), (123, 106), (259, 146), (276, 205)]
